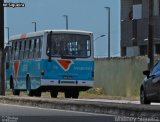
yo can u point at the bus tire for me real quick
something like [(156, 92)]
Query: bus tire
[(30, 93), (54, 93), (75, 94), (16, 92), (68, 94), (11, 83), (37, 93)]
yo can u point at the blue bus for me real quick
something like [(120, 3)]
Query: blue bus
[(50, 60)]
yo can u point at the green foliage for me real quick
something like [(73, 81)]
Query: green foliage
[(96, 91)]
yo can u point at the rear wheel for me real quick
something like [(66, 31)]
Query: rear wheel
[(68, 94), (71, 93), (54, 93), (143, 99), (11, 83), (30, 93), (16, 92), (75, 94), (37, 93)]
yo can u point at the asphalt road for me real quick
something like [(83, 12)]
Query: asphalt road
[(16, 113), (116, 101)]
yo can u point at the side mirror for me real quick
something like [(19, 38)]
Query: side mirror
[(49, 55), (146, 72)]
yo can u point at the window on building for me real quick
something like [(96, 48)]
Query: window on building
[(123, 53), (143, 50), (159, 8), (157, 48)]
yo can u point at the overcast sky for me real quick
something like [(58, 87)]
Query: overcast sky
[(89, 15)]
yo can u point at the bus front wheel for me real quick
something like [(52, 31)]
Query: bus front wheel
[(28, 86)]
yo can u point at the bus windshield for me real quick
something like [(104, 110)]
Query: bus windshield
[(69, 45)]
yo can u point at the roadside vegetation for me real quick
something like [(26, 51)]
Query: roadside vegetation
[(94, 93)]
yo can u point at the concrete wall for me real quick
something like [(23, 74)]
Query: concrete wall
[(120, 76)]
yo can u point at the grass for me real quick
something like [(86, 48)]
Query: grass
[(94, 93)]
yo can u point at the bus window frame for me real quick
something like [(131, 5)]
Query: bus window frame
[(90, 46)]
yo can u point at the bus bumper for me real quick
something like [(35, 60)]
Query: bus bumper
[(80, 83)]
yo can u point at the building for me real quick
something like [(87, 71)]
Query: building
[(134, 27)]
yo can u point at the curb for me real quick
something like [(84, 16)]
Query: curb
[(120, 109)]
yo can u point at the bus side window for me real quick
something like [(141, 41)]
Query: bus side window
[(88, 48), (17, 50), (31, 49), (14, 50), (8, 54), (34, 49), (26, 50), (21, 51), (12, 53), (40, 47), (20, 47), (37, 48)]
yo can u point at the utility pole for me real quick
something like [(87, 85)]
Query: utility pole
[(150, 35), (35, 26), (66, 17), (2, 79), (109, 45), (7, 32)]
